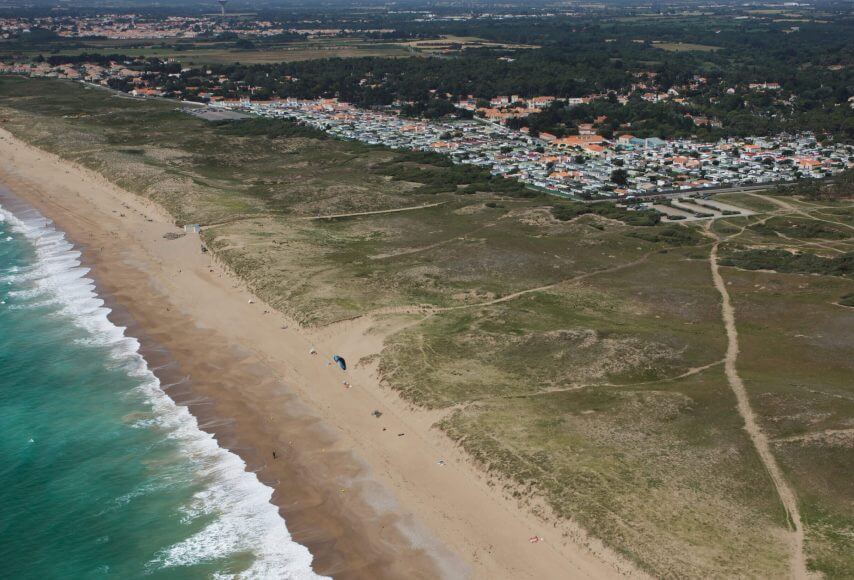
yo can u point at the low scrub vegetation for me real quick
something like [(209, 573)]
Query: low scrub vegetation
[(838, 187), (439, 175), (568, 211), (271, 128), (798, 263), (671, 235), (800, 228)]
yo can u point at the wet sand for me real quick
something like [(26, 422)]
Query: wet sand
[(367, 495)]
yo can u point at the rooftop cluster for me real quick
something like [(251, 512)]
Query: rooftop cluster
[(598, 159), (586, 166)]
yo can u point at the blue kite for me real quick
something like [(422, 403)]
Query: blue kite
[(341, 362)]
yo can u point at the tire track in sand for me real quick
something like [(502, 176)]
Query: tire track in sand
[(759, 439)]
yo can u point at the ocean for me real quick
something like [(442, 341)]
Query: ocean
[(101, 474)]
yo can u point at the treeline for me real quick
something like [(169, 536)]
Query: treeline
[(371, 81), (814, 67), (573, 57)]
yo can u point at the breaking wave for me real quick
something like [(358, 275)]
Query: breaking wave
[(240, 517)]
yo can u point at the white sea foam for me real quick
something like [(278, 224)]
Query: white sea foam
[(242, 519)]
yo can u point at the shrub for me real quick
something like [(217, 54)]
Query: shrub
[(569, 210), (671, 235), (783, 261)]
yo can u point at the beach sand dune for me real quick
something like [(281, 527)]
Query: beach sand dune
[(360, 476)]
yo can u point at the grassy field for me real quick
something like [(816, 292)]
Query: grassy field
[(684, 46), (578, 361), (195, 53), (456, 43)]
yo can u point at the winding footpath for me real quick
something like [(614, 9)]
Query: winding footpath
[(760, 441)]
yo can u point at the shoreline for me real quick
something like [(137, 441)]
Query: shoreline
[(366, 501)]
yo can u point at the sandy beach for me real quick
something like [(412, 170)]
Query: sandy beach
[(360, 475)]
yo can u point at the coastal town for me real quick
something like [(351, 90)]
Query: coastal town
[(132, 26), (414, 290), (587, 165)]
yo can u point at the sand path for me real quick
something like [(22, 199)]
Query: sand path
[(375, 212), (789, 207), (429, 310), (757, 436)]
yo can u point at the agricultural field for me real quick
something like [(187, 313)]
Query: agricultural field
[(194, 52), (200, 52), (683, 46), (580, 362), (197, 53), (451, 43)]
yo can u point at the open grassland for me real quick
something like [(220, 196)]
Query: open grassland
[(449, 43), (198, 53), (796, 360), (683, 46), (578, 361)]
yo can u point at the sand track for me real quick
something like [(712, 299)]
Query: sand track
[(375, 212), (757, 436)]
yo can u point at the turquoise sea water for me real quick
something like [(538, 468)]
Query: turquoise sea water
[(101, 474)]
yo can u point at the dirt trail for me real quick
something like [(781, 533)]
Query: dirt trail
[(549, 391), (429, 310), (759, 439), (789, 207), (376, 212), (521, 293)]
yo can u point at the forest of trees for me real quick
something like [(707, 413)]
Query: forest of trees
[(574, 57), (813, 67)]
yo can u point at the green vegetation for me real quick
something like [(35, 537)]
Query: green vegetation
[(270, 128), (439, 175), (672, 235), (838, 187), (577, 360), (578, 57), (801, 228), (199, 52), (568, 211), (783, 261), (795, 360), (708, 58)]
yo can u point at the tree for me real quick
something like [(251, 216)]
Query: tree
[(619, 176)]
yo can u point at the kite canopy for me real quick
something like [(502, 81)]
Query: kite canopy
[(341, 362)]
